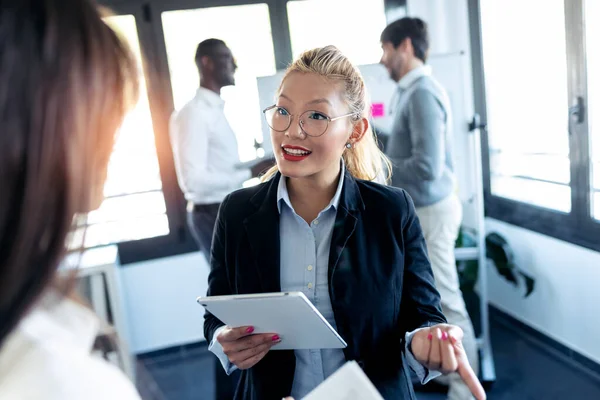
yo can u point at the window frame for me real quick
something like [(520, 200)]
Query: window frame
[(577, 227), (179, 240)]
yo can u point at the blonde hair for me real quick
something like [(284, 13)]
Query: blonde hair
[(364, 160)]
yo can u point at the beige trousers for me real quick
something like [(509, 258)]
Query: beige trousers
[(440, 223)]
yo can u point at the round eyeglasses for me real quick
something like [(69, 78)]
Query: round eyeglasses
[(313, 123)]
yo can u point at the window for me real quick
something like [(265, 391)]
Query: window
[(135, 206), (526, 86), (540, 147), (252, 49), (354, 26), (592, 24)]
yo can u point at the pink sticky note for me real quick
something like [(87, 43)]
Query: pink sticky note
[(377, 110)]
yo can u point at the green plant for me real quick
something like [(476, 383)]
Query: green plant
[(497, 250)]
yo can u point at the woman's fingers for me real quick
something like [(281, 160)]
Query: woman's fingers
[(449, 362), (232, 334), (249, 342), (440, 348), (466, 372), (435, 358), (243, 358), (250, 362), (455, 332), (421, 345), (468, 376), (243, 348)]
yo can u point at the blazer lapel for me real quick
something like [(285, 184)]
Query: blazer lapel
[(345, 222), (262, 228)]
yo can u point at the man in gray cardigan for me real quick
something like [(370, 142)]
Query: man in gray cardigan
[(420, 148)]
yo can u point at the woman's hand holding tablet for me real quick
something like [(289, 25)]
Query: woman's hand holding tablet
[(243, 348)]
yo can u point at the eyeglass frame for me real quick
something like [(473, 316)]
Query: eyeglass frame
[(329, 119)]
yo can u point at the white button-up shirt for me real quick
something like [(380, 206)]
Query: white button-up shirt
[(205, 150), (304, 260)]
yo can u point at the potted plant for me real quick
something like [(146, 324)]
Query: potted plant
[(497, 250)]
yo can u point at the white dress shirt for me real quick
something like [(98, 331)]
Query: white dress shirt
[(205, 150), (48, 356)]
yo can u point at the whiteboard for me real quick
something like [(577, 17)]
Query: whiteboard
[(267, 92), (451, 70)]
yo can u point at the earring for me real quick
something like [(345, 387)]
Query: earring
[(348, 145)]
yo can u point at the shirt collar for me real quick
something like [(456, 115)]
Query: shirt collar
[(283, 195), (413, 75), (210, 97)]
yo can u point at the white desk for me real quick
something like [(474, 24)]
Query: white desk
[(100, 265)]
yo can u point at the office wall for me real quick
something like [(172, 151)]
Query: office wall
[(160, 304), (448, 23), (566, 302)]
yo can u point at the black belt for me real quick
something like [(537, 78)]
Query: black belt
[(191, 207)]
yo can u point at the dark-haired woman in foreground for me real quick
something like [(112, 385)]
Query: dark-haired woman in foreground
[(66, 81)]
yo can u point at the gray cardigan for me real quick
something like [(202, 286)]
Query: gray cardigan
[(420, 143)]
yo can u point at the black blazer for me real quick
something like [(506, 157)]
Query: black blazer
[(380, 280)]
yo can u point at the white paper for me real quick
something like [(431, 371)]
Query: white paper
[(347, 383)]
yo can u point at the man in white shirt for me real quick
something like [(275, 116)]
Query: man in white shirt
[(206, 153), (205, 146)]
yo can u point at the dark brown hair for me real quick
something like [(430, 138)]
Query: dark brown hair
[(66, 81), (413, 28), (208, 47)]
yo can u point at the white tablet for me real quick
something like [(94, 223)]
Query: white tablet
[(288, 314)]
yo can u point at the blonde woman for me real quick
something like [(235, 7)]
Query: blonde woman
[(320, 225)]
